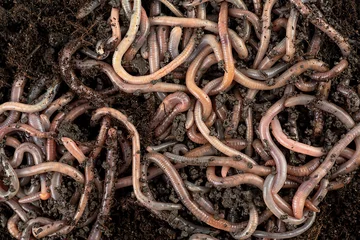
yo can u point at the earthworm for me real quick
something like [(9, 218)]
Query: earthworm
[(180, 148), (352, 98), (320, 23), (88, 8), (335, 185), (13, 178), (160, 147), (220, 111), (172, 8), (257, 6), (45, 122), (12, 226), (26, 233), (137, 175), (109, 185), (114, 40), (58, 103), (289, 234), (24, 128), (32, 197), (265, 74), (275, 209), (69, 76), (179, 187), (283, 79), (187, 31), (245, 178), (172, 105), (249, 131), (200, 236), (152, 173), (174, 40), (126, 153), (274, 55), (17, 91), (323, 93), (49, 229), (195, 188), (250, 228), (72, 147), (76, 112), (315, 43), (236, 114), (45, 167), (35, 121), (266, 32), (213, 140), (154, 51), (26, 108), (332, 73), (220, 161), (251, 17), (305, 86), (259, 148), (321, 192), (15, 206), (267, 141), (126, 6), (226, 49), (162, 34), (219, 129), (208, 149), (237, 43), (215, 47), (125, 87), (350, 165), (278, 24), (307, 186), (204, 203), (291, 35), (195, 136), (141, 39), (37, 155)]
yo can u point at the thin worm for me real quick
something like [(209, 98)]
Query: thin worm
[(226, 48), (69, 76), (188, 31), (304, 86), (320, 23), (172, 8), (195, 188), (315, 43), (173, 105), (274, 55), (323, 93), (127, 8), (26, 233), (58, 103), (184, 195), (12, 226), (180, 148), (141, 39), (72, 147), (291, 35), (237, 43), (279, 23), (352, 98), (162, 34), (51, 167), (289, 234), (125, 87), (235, 118), (17, 91), (49, 229), (114, 40), (160, 147), (220, 161), (208, 149), (15, 206), (259, 148), (251, 17), (265, 74), (126, 153), (88, 8), (27, 108), (266, 32), (108, 195)]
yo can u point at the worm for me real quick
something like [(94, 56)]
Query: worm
[(17, 91), (26, 233), (259, 148), (265, 74), (160, 147), (12, 226), (88, 8), (125, 87), (174, 40), (172, 8), (291, 35), (71, 146)]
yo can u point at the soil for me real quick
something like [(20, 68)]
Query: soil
[(33, 32)]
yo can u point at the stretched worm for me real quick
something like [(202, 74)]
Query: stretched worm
[(160, 147), (162, 33), (265, 74), (266, 32), (109, 186), (291, 35), (125, 87), (320, 23), (172, 8), (17, 91), (174, 40), (72, 147), (251, 17), (58, 103), (26, 108)]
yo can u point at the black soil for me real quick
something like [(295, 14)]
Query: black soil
[(31, 35)]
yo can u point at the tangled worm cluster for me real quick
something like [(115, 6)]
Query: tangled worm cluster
[(235, 75)]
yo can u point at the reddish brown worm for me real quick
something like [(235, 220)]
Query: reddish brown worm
[(72, 147), (125, 87)]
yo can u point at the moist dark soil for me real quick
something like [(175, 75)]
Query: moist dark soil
[(33, 32)]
